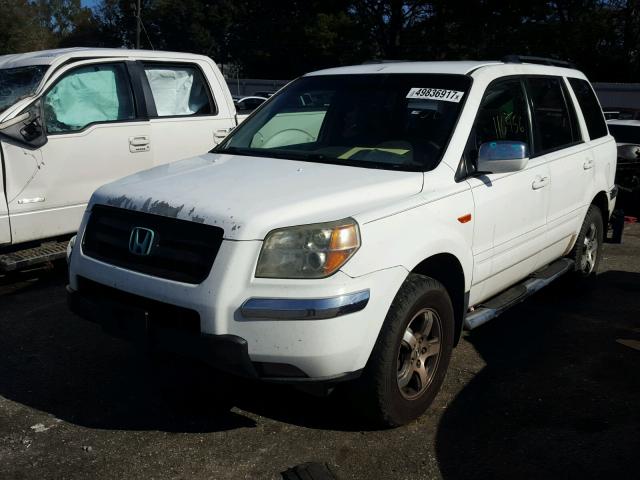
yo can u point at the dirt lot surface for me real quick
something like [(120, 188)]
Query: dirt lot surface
[(550, 389)]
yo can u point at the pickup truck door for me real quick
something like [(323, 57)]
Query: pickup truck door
[(510, 208), (188, 108), (96, 132)]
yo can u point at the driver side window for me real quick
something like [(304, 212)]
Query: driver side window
[(503, 115), (92, 94)]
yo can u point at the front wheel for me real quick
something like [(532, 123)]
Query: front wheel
[(410, 359)]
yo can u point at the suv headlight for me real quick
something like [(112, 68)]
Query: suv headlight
[(308, 251)]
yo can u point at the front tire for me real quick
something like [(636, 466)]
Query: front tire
[(411, 355)]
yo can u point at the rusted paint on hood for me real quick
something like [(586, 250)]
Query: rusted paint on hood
[(249, 196)]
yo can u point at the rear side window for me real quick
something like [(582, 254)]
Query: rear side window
[(590, 108), (87, 95), (179, 90), (554, 120)]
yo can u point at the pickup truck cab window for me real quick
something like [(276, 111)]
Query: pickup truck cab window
[(179, 90), (395, 121), (555, 122), (18, 83), (87, 95)]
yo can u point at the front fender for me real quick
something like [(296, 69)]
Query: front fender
[(411, 236)]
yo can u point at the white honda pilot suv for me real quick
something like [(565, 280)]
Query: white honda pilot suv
[(355, 224)]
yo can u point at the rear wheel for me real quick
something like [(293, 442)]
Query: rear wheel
[(587, 251), (410, 359)]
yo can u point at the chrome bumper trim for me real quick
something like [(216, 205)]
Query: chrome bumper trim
[(305, 308)]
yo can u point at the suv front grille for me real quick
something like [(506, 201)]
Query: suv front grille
[(180, 250)]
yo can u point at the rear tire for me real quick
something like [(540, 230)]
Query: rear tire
[(587, 251), (411, 355)]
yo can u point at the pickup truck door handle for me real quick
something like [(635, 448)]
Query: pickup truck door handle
[(139, 144), (588, 164), (221, 134), (540, 182)]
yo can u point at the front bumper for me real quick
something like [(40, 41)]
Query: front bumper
[(322, 329), (305, 308), (142, 323), (156, 326)]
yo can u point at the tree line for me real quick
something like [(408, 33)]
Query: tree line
[(282, 39)]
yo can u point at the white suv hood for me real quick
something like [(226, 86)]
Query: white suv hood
[(249, 196)]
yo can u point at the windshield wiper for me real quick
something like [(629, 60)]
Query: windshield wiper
[(284, 154)]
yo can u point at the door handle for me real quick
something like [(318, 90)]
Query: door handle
[(221, 134), (139, 144), (540, 182), (588, 164)]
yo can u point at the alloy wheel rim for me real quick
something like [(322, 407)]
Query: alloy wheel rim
[(589, 250), (419, 353)]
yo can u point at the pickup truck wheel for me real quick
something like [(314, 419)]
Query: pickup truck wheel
[(588, 248), (410, 359)]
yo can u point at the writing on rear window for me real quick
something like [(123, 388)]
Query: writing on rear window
[(436, 94)]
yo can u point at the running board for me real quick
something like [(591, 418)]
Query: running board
[(500, 303), (46, 252)]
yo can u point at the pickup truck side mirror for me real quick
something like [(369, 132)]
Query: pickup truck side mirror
[(502, 156), (26, 128)]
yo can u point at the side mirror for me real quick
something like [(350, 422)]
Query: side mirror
[(17, 119), (502, 156), (629, 152), (26, 128)]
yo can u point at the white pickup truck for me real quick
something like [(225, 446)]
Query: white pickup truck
[(355, 223), (74, 119)]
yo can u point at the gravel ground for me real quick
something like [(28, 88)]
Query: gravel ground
[(550, 389)]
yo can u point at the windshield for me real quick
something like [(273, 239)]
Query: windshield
[(392, 121), (625, 133), (18, 83)]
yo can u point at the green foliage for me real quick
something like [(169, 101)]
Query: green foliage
[(284, 38), (21, 29)]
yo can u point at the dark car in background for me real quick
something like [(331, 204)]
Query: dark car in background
[(627, 135), (246, 105)]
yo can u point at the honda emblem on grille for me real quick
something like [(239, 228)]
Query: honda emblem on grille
[(141, 241)]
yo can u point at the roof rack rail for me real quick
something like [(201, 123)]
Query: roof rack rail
[(381, 60), (540, 60)]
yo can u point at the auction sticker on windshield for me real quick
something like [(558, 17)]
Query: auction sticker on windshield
[(435, 94)]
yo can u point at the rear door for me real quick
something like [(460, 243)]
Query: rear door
[(96, 131), (188, 115), (558, 143), (599, 143)]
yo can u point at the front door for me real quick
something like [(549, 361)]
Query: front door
[(95, 135), (510, 208)]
